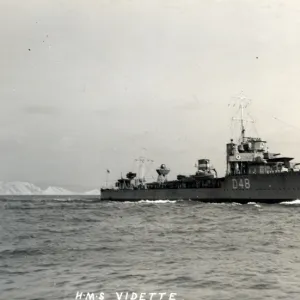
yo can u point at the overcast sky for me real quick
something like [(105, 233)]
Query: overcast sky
[(85, 85)]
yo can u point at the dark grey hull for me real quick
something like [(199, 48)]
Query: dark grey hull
[(267, 188)]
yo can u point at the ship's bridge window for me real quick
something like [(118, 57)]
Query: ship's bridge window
[(268, 169)]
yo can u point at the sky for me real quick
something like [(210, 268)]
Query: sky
[(87, 86)]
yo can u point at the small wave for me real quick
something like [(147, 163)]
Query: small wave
[(254, 203), (294, 202), (63, 199), (157, 201), (223, 203), (8, 253)]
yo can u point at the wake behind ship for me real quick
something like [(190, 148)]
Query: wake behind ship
[(252, 174)]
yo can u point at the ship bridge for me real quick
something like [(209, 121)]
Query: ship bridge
[(251, 155)]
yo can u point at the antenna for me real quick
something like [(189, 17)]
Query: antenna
[(141, 168), (106, 179), (243, 103)]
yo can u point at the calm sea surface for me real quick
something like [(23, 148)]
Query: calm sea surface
[(64, 248)]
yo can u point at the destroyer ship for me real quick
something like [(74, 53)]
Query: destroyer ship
[(253, 174)]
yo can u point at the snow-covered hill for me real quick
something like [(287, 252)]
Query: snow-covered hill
[(52, 190), (19, 188), (93, 192), (26, 188)]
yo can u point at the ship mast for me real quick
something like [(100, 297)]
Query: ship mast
[(141, 168), (242, 122), (243, 104), (142, 160)]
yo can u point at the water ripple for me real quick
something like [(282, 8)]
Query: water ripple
[(51, 248)]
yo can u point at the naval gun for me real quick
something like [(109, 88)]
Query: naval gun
[(205, 170), (162, 172)]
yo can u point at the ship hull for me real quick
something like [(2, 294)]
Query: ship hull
[(267, 188)]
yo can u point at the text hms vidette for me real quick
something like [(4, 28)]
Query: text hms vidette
[(125, 296)]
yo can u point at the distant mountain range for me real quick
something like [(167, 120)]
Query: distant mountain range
[(26, 188)]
